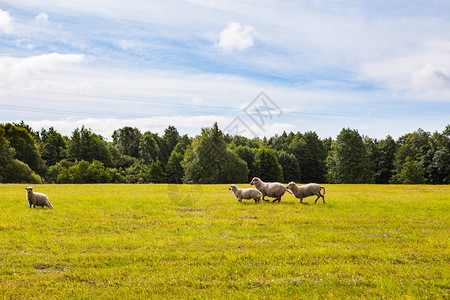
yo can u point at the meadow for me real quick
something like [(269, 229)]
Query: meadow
[(197, 241)]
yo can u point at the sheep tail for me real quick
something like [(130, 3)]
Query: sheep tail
[(288, 191), (321, 187)]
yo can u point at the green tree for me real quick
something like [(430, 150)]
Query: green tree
[(290, 167), (267, 166), (248, 155), (182, 145), (234, 169), (411, 173), (311, 155), (279, 142), (136, 173), (238, 140), (170, 139), (413, 147), (175, 171), (88, 146), (127, 140), (79, 172), (118, 160), (209, 161), (61, 167), (24, 145), (64, 176), (149, 150), (348, 161), (382, 156), (438, 168), (12, 170), (6, 157), (53, 146), (97, 173), (156, 173)]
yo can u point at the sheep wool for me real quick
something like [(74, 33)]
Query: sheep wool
[(246, 193), (307, 190), (37, 199), (270, 189)]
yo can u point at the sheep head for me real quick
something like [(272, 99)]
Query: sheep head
[(290, 185), (232, 187), (254, 180)]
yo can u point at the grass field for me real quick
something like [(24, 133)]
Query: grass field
[(192, 241)]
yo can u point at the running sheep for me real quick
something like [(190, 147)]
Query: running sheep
[(270, 189), (246, 193), (37, 199), (306, 191)]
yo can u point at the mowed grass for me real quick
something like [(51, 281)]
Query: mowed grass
[(197, 241)]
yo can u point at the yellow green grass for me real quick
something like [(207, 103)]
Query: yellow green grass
[(198, 241)]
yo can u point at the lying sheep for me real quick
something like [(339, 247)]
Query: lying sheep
[(246, 193), (37, 199), (306, 191), (270, 189)]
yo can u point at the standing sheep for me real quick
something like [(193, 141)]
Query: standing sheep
[(307, 190), (270, 189), (37, 199), (246, 193)]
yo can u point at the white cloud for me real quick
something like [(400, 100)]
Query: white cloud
[(6, 22), (25, 43), (431, 77), (236, 37), (32, 71), (184, 124), (106, 126), (126, 44), (197, 100), (42, 17), (423, 71)]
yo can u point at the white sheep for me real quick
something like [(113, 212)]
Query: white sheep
[(246, 193), (306, 191), (37, 199), (270, 189)]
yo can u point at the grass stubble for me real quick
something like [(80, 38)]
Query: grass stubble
[(198, 241)]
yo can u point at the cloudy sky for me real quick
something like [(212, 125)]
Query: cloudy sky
[(258, 68)]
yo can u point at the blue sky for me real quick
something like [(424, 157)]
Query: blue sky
[(377, 66)]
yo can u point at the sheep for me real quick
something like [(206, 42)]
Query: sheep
[(270, 189), (306, 191), (246, 193), (37, 199)]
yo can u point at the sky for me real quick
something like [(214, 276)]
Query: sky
[(257, 68)]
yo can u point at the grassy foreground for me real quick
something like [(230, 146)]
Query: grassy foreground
[(193, 241)]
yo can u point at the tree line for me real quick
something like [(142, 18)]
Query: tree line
[(28, 156)]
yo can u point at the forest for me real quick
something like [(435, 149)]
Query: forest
[(46, 156)]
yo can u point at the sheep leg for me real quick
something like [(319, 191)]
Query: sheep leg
[(264, 199), (323, 198), (240, 199)]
